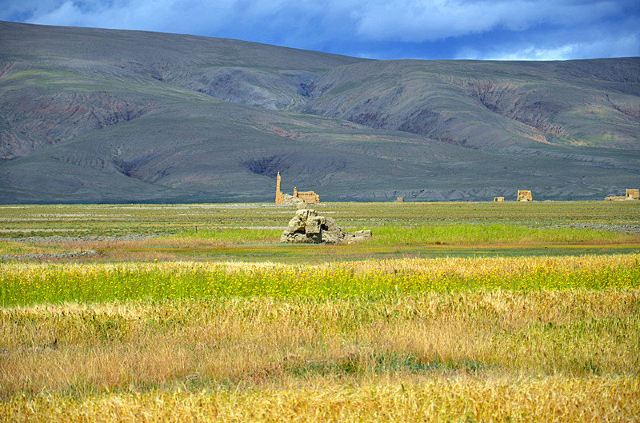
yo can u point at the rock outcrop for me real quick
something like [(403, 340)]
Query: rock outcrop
[(307, 226)]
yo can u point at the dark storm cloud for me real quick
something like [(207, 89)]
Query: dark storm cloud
[(500, 29)]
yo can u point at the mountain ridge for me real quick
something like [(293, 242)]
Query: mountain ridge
[(92, 115)]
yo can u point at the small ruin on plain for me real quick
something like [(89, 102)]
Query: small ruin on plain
[(498, 199), (524, 195), (298, 197), (632, 194)]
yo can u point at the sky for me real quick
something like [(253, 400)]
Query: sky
[(381, 29)]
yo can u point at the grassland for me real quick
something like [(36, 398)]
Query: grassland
[(250, 232), (464, 311)]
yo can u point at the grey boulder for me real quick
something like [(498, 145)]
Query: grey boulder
[(308, 227)]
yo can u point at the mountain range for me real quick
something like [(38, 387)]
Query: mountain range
[(94, 115)]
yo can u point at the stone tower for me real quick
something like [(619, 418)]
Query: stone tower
[(279, 196)]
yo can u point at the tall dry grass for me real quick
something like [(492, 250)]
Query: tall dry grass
[(438, 399), (411, 339), (86, 350)]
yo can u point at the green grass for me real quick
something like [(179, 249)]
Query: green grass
[(10, 248), (157, 219), (460, 234), (24, 284), (251, 232), (466, 234), (229, 235)]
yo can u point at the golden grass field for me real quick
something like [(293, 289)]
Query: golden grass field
[(473, 322)]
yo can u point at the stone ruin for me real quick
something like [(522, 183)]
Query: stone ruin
[(298, 198), (308, 227), (290, 200), (524, 195), (630, 194)]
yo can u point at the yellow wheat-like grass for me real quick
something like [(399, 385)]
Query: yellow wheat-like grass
[(440, 399)]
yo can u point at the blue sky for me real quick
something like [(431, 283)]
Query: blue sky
[(385, 29)]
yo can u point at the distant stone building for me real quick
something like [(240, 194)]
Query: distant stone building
[(399, 199), (308, 197), (630, 194), (498, 199), (524, 195)]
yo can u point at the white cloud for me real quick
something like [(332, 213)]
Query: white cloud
[(533, 53), (551, 29), (417, 21), (394, 20), (606, 47)]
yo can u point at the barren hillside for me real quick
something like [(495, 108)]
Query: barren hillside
[(90, 115)]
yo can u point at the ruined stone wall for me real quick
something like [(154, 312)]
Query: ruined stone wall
[(524, 195), (308, 197), (633, 194)]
